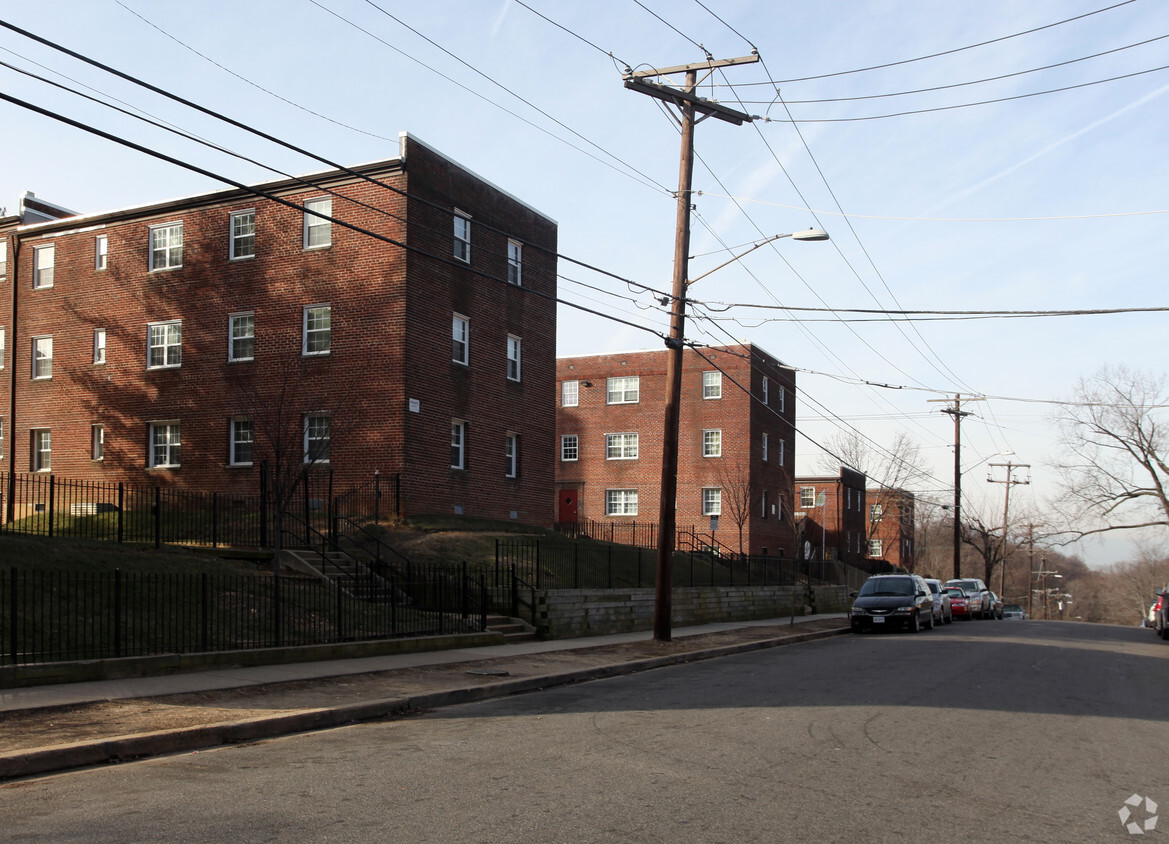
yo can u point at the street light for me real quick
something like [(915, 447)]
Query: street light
[(663, 587)]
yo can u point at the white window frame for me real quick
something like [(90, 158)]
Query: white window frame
[(782, 397), (3, 346), (763, 502), (3, 257), (44, 262), (807, 497), (241, 234), (712, 501), (569, 445), (458, 444), (515, 262), (876, 513), (312, 438), (41, 441), (712, 385), (315, 228), (782, 442), (166, 249), (461, 325), (237, 321), (165, 451), (712, 442), (622, 446), (101, 252), (514, 357), (876, 548), (462, 235), (622, 386), (621, 502), (42, 357), (171, 352), (235, 431), (569, 393), (97, 442), (764, 445), (766, 390), (99, 345), (511, 455), (306, 317)]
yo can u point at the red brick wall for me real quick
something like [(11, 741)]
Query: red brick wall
[(841, 524), (741, 420), (390, 341)]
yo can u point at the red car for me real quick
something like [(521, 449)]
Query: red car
[(961, 604)]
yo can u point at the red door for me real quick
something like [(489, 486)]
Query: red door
[(567, 509)]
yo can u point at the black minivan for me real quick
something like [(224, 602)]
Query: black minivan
[(893, 600)]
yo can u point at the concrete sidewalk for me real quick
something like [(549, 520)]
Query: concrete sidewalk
[(53, 728)]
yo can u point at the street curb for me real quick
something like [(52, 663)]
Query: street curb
[(124, 748)]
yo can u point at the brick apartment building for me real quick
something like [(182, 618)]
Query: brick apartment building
[(181, 343), (735, 447), (833, 516), (890, 526)]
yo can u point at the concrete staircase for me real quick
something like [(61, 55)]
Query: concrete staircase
[(513, 629)]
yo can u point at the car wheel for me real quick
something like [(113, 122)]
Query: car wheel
[(930, 625), (1164, 631), (950, 618), (914, 625)]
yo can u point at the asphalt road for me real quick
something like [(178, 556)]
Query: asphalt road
[(1020, 731)]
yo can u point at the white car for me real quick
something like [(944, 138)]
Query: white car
[(942, 612)]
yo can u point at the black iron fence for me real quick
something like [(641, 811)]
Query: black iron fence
[(47, 505), (52, 616)]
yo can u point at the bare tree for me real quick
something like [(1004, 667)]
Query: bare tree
[(738, 493), (1112, 468)]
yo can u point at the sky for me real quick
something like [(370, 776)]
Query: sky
[(972, 155)]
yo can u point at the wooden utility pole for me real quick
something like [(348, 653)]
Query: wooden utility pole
[(1009, 466), (689, 105), (957, 412)]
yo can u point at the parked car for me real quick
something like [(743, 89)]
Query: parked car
[(942, 612), (977, 590), (1014, 611), (1160, 621), (893, 600), (996, 606), (960, 603)]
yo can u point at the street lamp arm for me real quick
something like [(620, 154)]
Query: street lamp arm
[(805, 234)]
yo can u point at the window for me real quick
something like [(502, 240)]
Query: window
[(514, 262), (763, 501), (317, 438), (241, 343), (99, 345), (875, 513), (458, 444), (766, 385), (243, 235), (712, 385), (462, 237), (318, 231), (621, 446), (764, 446), (513, 358), (460, 343), (42, 450), (44, 257), (97, 442), (712, 502), (781, 443), (318, 330), (570, 394), (875, 549), (42, 357), (165, 445), (166, 246), (569, 447), (624, 390), (101, 252), (241, 442), (3, 342), (165, 345), (511, 452), (620, 502), (782, 397), (4, 258), (712, 443), (807, 496)]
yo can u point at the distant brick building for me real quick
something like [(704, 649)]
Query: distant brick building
[(833, 516), (737, 423), (890, 526), (182, 342)]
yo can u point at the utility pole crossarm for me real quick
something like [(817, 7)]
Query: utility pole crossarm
[(682, 98)]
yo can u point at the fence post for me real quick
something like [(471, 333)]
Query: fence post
[(121, 512), (263, 503), (515, 594), (276, 632), (204, 607), (397, 495), (639, 549), (377, 494), (158, 517), (539, 575), (609, 576), (464, 595), (52, 502), (117, 612), (576, 564), (215, 519), (12, 607)]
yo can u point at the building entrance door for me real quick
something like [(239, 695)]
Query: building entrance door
[(567, 508)]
